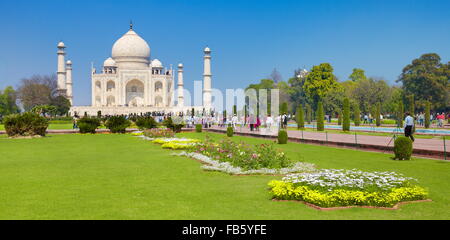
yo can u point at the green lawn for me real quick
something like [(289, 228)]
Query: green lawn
[(423, 136), (109, 176)]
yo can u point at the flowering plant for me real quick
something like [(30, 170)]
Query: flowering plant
[(159, 133), (333, 188), (176, 143), (137, 133), (244, 155), (213, 165)]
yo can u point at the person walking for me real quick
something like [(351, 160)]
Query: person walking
[(409, 125)]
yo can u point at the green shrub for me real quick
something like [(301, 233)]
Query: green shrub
[(339, 122), (356, 116), (400, 114), (320, 117), (427, 114), (25, 124), (300, 118), (198, 128), (282, 137), (117, 124), (146, 122), (176, 127), (88, 124), (377, 115), (229, 131), (403, 148), (346, 115)]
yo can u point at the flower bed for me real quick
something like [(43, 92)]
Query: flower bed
[(137, 133), (244, 156), (335, 188), (214, 165), (176, 143), (159, 133)]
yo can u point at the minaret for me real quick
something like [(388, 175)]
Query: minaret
[(207, 79), (61, 74), (69, 82), (180, 86)]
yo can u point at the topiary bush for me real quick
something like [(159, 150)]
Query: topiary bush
[(117, 124), (346, 115), (320, 117), (229, 131), (88, 124), (146, 123), (282, 137), (198, 128), (403, 148), (25, 124), (300, 117)]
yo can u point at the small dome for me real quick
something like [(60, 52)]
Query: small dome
[(131, 45), (156, 63), (69, 62), (207, 50), (180, 65), (61, 45), (109, 63)]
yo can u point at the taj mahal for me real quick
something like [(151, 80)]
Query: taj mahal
[(130, 81)]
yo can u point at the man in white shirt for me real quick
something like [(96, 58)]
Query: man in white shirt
[(408, 125)]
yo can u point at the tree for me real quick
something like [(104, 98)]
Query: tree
[(333, 100), (411, 104), (8, 98), (62, 105), (320, 116), (284, 108), (377, 116), (400, 114), (346, 115), (428, 79), (295, 88), (357, 75), (371, 91), (275, 76), (299, 115), (37, 90), (356, 114), (319, 81), (427, 114), (309, 113)]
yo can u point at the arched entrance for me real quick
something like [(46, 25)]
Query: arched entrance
[(135, 93)]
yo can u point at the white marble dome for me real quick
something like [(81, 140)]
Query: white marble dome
[(131, 51), (156, 63), (109, 63)]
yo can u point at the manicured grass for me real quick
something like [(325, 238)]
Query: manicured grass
[(110, 176), (423, 136), (54, 126)]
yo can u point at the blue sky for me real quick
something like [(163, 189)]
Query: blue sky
[(248, 38)]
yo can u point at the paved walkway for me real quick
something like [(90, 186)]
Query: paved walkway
[(422, 147)]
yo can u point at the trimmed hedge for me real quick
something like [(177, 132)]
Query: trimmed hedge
[(229, 131), (282, 137), (146, 123), (320, 117), (300, 117), (198, 128), (346, 115), (25, 124), (403, 148), (88, 124), (117, 124)]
